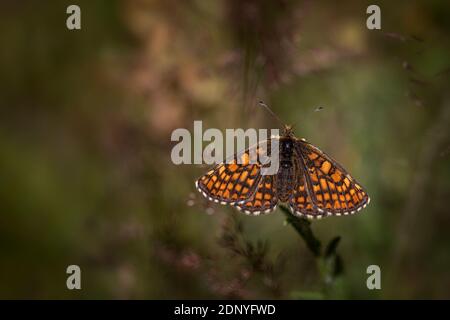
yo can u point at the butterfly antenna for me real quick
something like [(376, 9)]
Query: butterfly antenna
[(262, 104)]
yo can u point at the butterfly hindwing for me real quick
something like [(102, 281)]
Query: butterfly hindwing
[(301, 202), (264, 199)]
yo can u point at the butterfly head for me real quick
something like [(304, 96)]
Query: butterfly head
[(288, 131)]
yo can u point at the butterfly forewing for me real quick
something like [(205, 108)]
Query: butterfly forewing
[(235, 180)]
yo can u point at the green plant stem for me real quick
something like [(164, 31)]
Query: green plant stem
[(303, 228), (329, 263)]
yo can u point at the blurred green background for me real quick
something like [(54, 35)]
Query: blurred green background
[(86, 117)]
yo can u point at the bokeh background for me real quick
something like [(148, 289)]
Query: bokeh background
[(86, 118)]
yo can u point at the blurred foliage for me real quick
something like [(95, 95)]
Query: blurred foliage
[(85, 125)]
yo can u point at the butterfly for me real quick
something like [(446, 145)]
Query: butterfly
[(311, 183)]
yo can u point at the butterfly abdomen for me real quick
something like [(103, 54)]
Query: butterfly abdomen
[(286, 171)]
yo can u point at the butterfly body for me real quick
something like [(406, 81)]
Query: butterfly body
[(310, 182), (284, 180)]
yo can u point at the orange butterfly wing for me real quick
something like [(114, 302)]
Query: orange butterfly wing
[(229, 183), (236, 180), (323, 187)]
